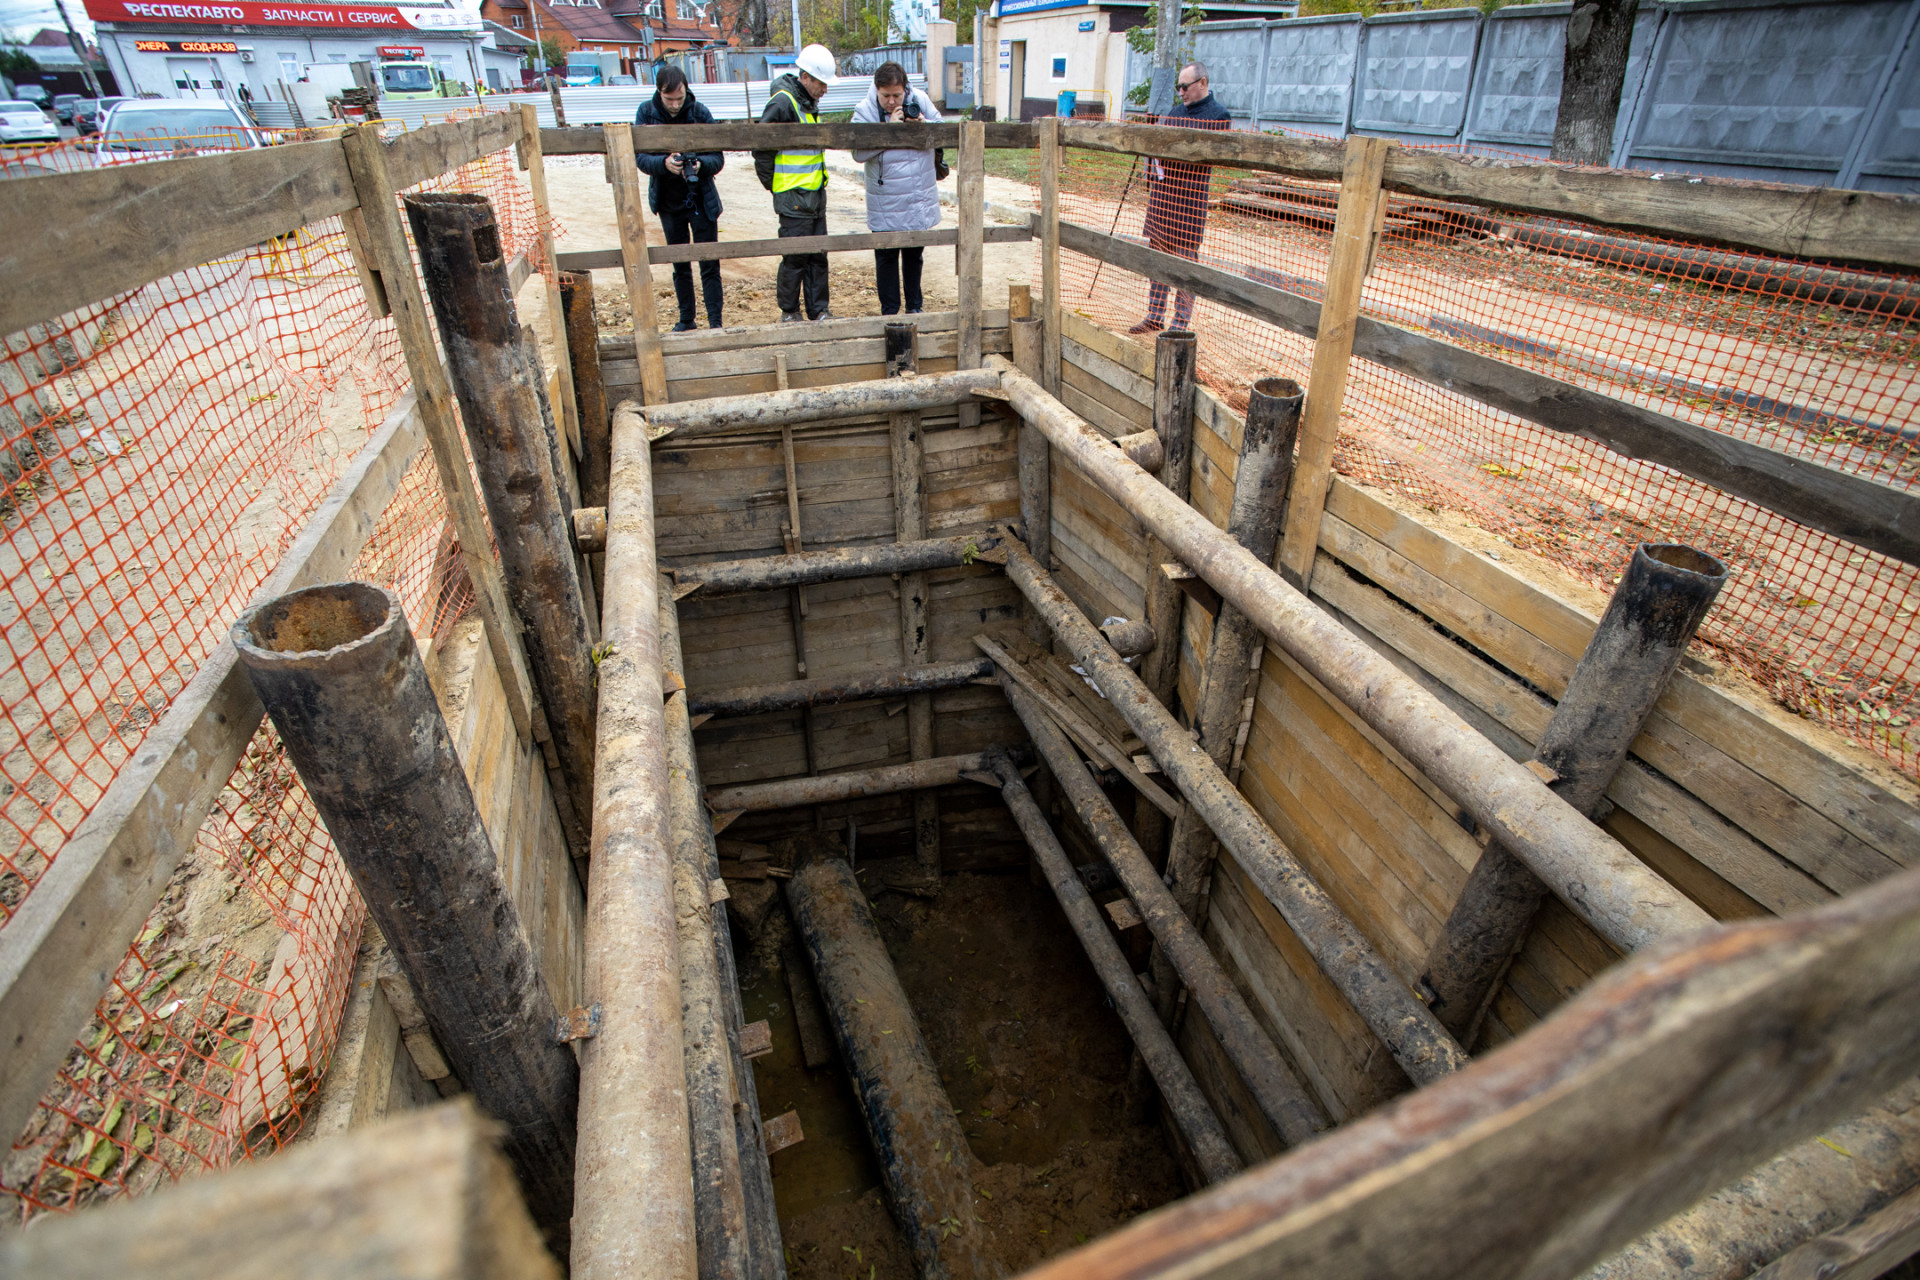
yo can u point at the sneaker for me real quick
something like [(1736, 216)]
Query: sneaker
[(826, 315), (685, 326), (715, 322), (790, 317), (1147, 326)]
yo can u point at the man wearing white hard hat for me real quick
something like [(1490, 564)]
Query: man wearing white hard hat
[(798, 180)]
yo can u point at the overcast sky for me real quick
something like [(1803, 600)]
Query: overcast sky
[(24, 17)]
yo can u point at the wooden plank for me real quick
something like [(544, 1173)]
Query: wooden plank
[(1863, 1249), (630, 216), (661, 254), (1353, 235), (434, 149), (65, 940), (426, 1195), (1049, 217), (1862, 511), (753, 136), (969, 258), (535, 164), (1809, 222), (393, 263), (1475, 1178)]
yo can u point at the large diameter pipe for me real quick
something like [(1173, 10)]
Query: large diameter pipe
[(771, 410), (925, 1162), (1275, 1089), (503, 407), (758, 699), (719, 1195), (1253, 520), (1591, 872), (340, 677), (769, 573), (1660, 602), (1387, 1005), (789, 793), (1185, 1102), (633, 1201)]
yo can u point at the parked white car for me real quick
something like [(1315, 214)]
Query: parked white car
[(21, 121), (153, 128)]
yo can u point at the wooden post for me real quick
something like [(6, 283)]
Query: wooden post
[(770, 573), (386, 241), (633, 1201), (793, 793), (1019, 301), (630, 213), (342, 681), (1049, 378), (504, 409), (770, 410), (1175, 354), (1036, 481), (969, 260), (589, 390), (916, 633), (534, 162), (754, 700), (1353, 231)]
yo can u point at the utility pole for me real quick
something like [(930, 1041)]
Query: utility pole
[(1166, 57), (79, 51), (797, 41)]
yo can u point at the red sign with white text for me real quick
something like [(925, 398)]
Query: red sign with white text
[(264, 14)]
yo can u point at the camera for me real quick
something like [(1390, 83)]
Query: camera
[(912, 106), (689, 166)]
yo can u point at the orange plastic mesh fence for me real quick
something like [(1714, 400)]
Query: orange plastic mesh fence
[(159, 451), (1810, 360)]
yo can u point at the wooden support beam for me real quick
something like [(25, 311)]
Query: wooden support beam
[(386, 238), (1668, 1077), (633, 1202), (794, 793), (1355, 223), (910, 525), (61, 946), (721, 250), (426, 1196), (729, 135), (770, 573), (1036, 479), (755, 700), (1019, 301), (770, 410), (630, 216), (528, 149), (969, 256), (1049, 218), (1870, 1246)]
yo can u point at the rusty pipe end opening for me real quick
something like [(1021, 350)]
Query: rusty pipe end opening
[(1176, 338), (1277, 389), (426, 198), (1026, 321), (317, 622), (1681, 558)]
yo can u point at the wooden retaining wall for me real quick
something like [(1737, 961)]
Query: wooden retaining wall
[(1746, 808)]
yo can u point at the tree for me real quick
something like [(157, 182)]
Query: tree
[(552, 50), (17, 64), (1140, 39), (1591, 78)]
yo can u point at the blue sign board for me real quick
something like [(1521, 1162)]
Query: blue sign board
[(1087, 25), (1010, 7)]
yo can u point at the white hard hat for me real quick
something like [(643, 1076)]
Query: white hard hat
[(817, 61)]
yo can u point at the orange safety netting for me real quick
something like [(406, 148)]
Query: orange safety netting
[(159, 451), (1814, 361)]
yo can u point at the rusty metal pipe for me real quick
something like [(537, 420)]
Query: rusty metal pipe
[(768, 573), (758, 699), (633, 1201), (1185, 1103), (338, 672), (1591, 872)]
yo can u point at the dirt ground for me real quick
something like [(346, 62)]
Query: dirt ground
[(583, 203), (1033, 1059)]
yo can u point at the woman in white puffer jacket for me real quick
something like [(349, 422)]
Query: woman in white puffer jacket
[(901, 195)]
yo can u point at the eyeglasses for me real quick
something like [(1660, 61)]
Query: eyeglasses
[(1184, 85)]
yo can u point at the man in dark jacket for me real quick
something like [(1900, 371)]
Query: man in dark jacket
[(1177, 195), (798, 180), (680, 190)]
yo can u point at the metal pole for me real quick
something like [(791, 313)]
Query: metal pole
[(1259, 491), (923, 1153), (1417, 1041), (633, 1210), (338, 672), (1605, 885), (1185, 1102), (1659, 604), (1294, 1115), (510, 430)]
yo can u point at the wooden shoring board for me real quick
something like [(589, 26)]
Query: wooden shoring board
[(630, 217), (535, 164), (64, 942)]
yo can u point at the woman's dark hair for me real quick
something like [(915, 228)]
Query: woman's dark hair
[(670, 78), (888, 75)]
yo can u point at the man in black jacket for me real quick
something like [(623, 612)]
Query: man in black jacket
[(1177, 195), (680, 190), (798, 180)]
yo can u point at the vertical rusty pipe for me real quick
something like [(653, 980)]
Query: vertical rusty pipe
[(633, 1198), (1175, 358), (924, 1159), (500, 403), (1659, 604), (338, 672), (1294, 1115), (1253, 520), (719, 1196), (1185, 1103), (1387, 1005), (908, 449)]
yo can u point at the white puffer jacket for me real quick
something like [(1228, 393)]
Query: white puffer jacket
[(901, 195)]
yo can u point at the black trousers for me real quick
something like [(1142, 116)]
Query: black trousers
[(683, 226), (802, 271), (892, 267)]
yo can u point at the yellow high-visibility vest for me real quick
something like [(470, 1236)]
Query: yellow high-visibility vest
[(799, 170)]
